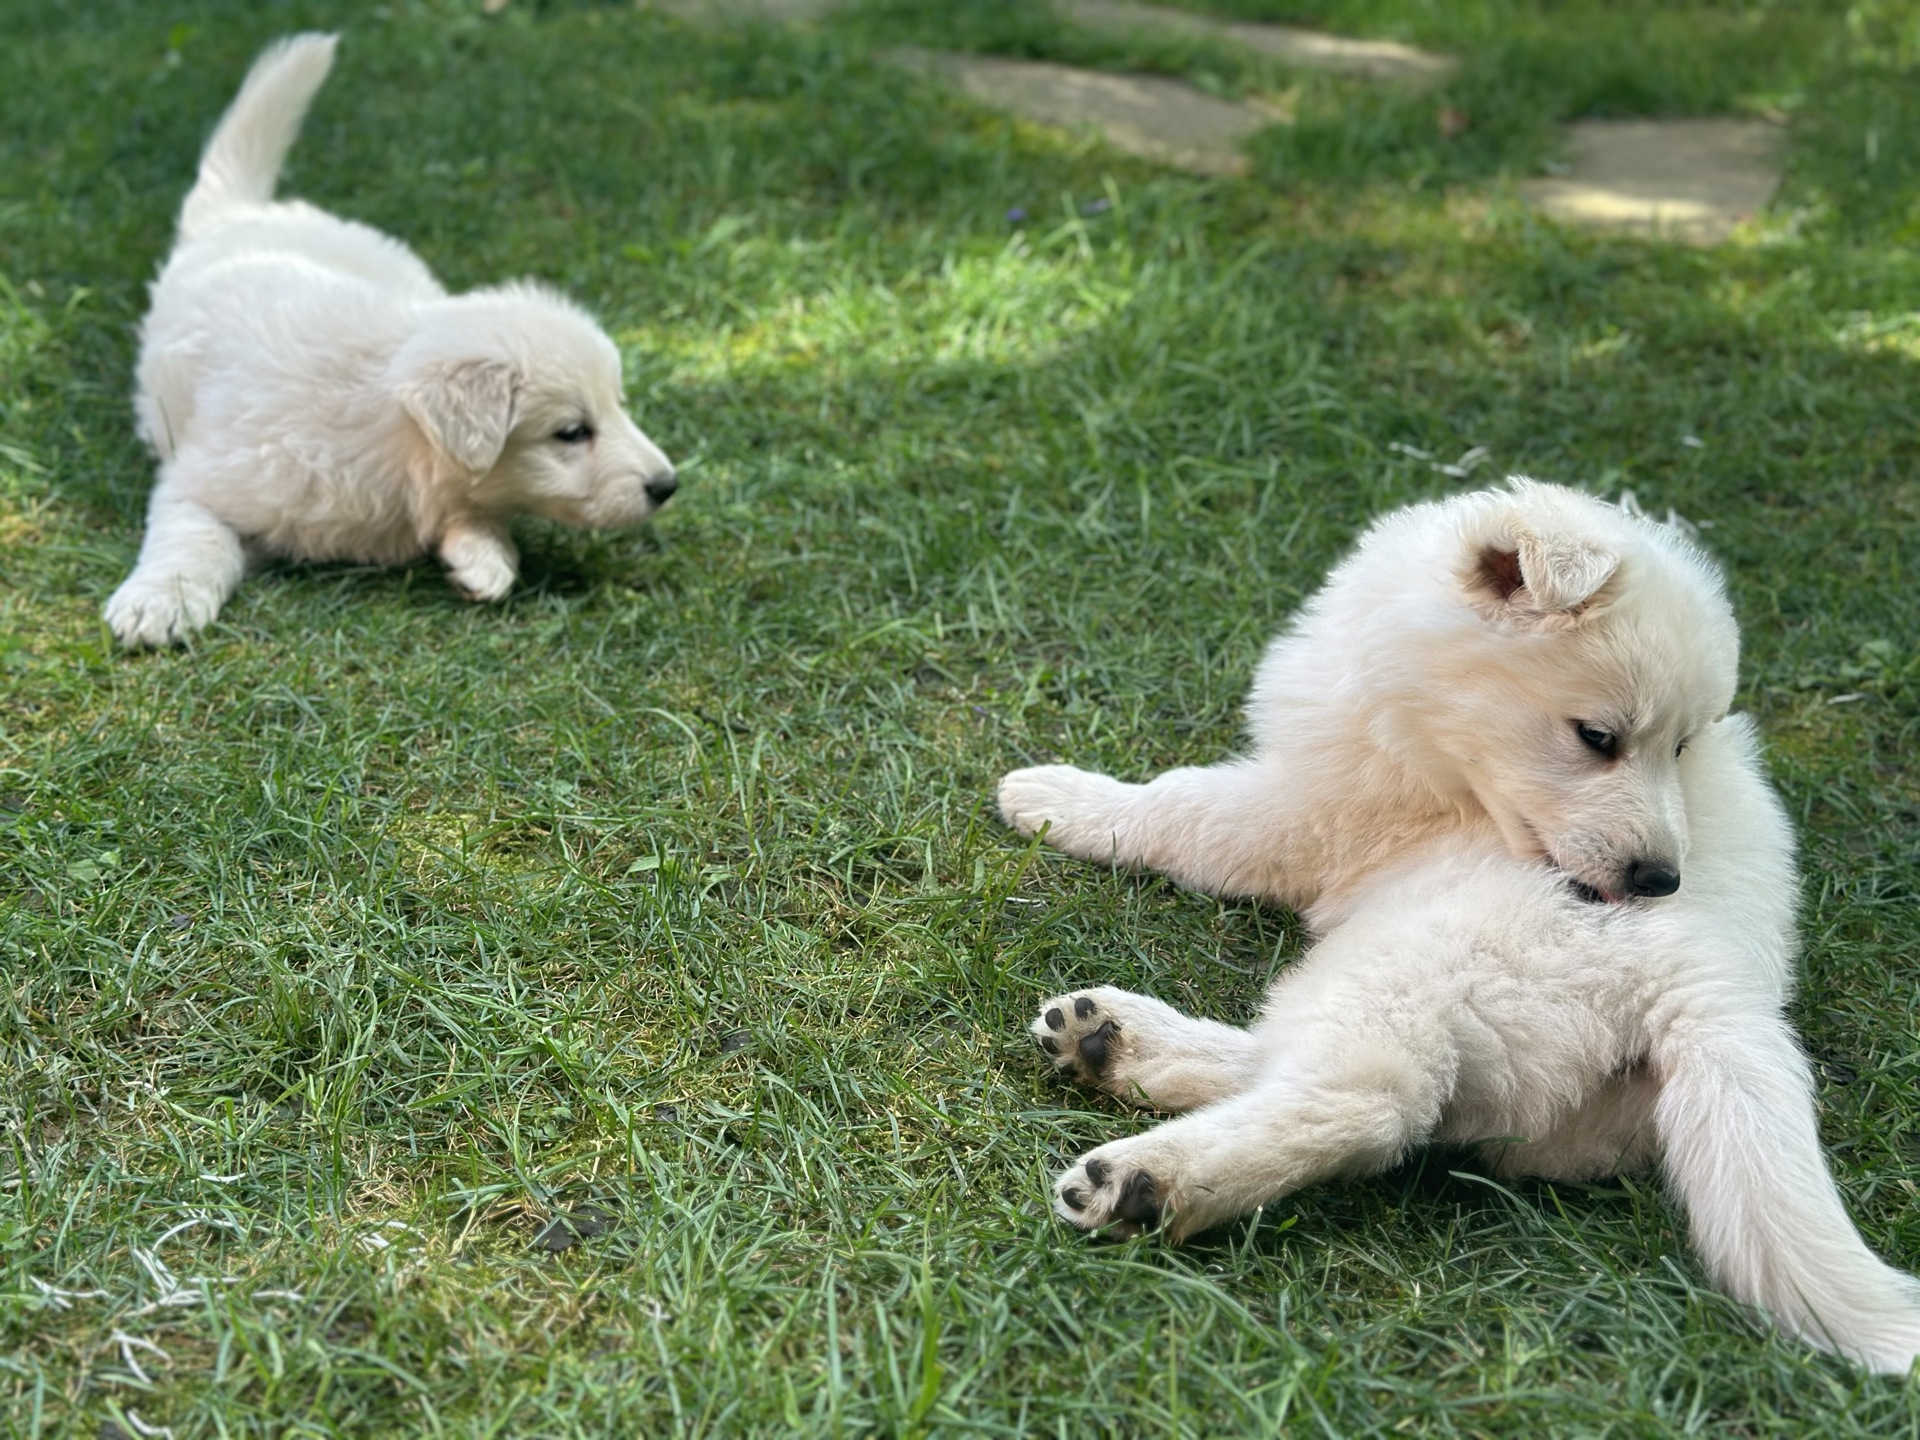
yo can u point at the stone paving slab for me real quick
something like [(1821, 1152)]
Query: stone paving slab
[(1312, 49), (1687, 180), (1147, 115), (770, 10)]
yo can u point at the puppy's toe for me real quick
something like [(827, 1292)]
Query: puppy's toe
[(483, 584), (480, 594), (1106, 1191), (147, 619), (1079, 1036)]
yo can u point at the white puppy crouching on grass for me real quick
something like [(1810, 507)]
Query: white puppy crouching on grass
[(313, 393), (1493, 766)]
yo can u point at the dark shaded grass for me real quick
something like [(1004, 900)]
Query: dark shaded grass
[(380, 929)]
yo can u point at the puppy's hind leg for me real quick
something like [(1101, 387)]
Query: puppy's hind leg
[(1219, 829), (1143, 1051), (1351, 1113), (190, 562)]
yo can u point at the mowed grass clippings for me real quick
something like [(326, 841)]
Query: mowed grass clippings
[(602, 1013)]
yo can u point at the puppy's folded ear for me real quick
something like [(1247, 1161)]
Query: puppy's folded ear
[(1540, 574), (1536, 555), (464, 409)]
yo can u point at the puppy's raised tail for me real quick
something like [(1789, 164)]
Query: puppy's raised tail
[(242, 161), (1736, 1119)]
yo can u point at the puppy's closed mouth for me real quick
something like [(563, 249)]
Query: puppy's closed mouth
[(1591, 894)]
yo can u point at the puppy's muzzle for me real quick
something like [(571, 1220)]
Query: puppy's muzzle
[(660, 489), (1644, 880)]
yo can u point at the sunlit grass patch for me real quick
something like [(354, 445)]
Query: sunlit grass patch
[(381, 932)]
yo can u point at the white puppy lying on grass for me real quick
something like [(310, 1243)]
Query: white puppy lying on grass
[(1492, 764), (312, 392)]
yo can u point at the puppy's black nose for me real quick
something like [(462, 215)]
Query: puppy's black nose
[(661, 488), (1651, 878)]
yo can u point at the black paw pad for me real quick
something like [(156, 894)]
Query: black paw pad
[(1055, 1020), (1094, 1046), (1049, 1044), (1073, 1198), (1097, 1171), (1139, 1200), (1082, 1007)]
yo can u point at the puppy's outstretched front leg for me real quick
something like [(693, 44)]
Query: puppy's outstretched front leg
[(1349, 1115), (190, 562), (481, 558), (1221, 829), (1144, 1051)]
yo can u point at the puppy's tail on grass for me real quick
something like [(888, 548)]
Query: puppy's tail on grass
[(1736, 1120), (242, 160)]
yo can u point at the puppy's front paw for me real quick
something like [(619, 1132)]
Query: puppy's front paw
[(1105, 1189), (481, 564), (1079, 807), (151, 614), (488, 579)]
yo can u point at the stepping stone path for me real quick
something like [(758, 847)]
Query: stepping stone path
[(1310, 49), (1689, 180), (1148, 115), (1684, 180), (1152, 115)]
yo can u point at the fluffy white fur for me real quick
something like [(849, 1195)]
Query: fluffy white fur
[(312, 392), (1569, 948)]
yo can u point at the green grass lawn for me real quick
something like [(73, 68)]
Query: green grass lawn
[(342, 953)]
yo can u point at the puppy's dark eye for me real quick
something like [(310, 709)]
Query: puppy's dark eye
[(1597, 739), (1679, 749), (576, 434)]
